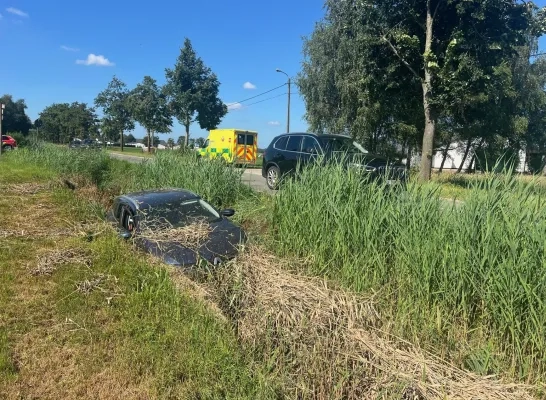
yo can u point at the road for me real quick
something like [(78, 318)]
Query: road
[(252, 177)]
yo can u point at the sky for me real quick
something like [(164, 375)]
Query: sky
[(66, 51)]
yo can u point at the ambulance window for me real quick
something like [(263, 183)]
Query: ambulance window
[(241, 138), (250, 140)]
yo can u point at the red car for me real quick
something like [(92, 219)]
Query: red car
[(8, 143)]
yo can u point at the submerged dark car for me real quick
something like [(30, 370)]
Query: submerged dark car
[(163, 222), (287, 151)]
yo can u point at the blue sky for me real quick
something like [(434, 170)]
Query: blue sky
[(46, 45), (242, 41)]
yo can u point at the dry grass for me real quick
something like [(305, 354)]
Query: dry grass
[(328, 341), (191, 236), (47, 262)]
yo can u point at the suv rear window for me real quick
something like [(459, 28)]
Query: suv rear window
[(294, 143), (280, 144)]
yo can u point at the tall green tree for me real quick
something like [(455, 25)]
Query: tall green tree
[(148, 106), (15, 117), (438, 51), (193, 90), (114, 103), (61, 122)]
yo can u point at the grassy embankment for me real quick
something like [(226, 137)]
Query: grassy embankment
[(85, 316), (465, 283)]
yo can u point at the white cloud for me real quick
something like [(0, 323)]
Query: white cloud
[(66, 48), (248, 85), (16, 11), (234, 106), (274, 123), (92, 59)]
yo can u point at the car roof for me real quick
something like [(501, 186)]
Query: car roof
[(315, 135), (158, 197)]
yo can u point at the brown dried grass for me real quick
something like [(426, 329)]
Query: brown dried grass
[(191, 236), (328, 342), (47, 262)]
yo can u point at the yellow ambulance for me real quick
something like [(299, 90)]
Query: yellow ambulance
[(237, 146)]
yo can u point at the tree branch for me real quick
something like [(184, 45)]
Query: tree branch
[(397, 54)]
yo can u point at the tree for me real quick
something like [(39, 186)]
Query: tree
[(15, 118), (61, 122), (200, 142), (130, 138), (181, 141), (170, 143), (154, 143), (148, 106), (445, 53), (193, 89), (114, 103)]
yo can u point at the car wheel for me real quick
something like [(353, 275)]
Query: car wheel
[(8, 148), (272, 177)]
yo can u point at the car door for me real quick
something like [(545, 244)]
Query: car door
[(310, 150), (292, 153)]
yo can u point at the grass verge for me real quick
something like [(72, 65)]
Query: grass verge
[(85, 316)]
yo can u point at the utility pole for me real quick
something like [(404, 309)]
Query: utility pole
[(2, 106), (288, 112)]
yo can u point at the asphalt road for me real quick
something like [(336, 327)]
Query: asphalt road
[(252, 177)]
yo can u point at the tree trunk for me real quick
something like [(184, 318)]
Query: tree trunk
[(444, 156), (465, 155), (472, 160), (121, 142), (149, 140), (187, 126), (430, 117)]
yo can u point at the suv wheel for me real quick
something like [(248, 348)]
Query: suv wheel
[(272, 177)]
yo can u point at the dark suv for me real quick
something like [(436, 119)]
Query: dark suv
[(286, 151)]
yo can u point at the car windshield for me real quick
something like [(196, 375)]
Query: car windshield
[(182, 214), (341, 145)]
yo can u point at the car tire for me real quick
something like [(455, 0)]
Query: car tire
[(272, 177), (7, 148)]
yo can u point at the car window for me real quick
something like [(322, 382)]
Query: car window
[(310, 145), (281, 143), (182, 214), (250, 140), (241, 138), (294, 143), (5, 137), (341, 145)]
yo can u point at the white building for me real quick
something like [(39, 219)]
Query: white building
[(455, 157)]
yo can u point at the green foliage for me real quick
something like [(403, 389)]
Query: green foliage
[(61, 122), (445, 274), (193, 89), (364, 68), (211, 179), (114, 103), (148, 106), (15, 118)]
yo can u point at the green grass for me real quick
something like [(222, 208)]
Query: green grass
[(466, 281), (136, 335)]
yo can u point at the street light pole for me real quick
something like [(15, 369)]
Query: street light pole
[(288, 112)]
